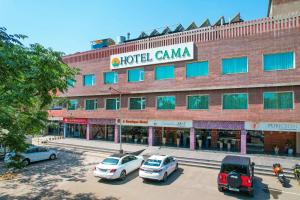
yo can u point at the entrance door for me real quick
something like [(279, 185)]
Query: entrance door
[(255, 142)]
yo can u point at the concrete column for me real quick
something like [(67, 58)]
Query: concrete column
[(192, 139), (150, 136), (65, 130), (88, 131), (243, 142), (116, 134), (214, 138), (298, 143)]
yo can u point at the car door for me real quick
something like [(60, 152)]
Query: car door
[(167, 165), (43, 153), (172, 164), (125, 164), (32, 154), (134, 163)]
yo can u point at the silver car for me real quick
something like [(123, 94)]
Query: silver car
[(32, 154)]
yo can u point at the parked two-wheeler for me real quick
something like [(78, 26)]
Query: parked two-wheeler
[(296, 170), (277, 169)]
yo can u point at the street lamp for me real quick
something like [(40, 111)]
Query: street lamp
[(120, 106)]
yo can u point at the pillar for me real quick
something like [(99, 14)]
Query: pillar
[(116, 134), (150, 136), (243, 142), (65, 130), (88, 132), (298, 143), (214, 138), (192, 139)]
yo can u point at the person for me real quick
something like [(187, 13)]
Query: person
[(286, 147), (276, 149)]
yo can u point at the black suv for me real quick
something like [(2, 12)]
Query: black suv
[(236, 174)]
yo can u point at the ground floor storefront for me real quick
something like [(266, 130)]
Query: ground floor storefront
[(244, 137)]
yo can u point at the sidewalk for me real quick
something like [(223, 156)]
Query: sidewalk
[(266, 160)]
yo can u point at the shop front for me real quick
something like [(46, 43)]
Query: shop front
[(101, 129), (75, 127), (55, 126)]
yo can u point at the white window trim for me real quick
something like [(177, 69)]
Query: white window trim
[(199, 61), (235, 72), (187, 100), (263, 64), (116, 80), (235, 93), (136, 98), (143, 70), (117, 100), (278, 92), (93, 82), (165, 96), (95, 104)]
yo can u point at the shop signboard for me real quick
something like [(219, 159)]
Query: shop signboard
[(133, 122), (273, 126), (165, 54), (55, 118), (75, 120), (177, 124)]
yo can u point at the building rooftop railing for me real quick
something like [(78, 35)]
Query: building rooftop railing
[(241, 29)]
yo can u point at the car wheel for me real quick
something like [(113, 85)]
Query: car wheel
[(165, 177), (176, 168), (251, 193), (52, 157), (26, 162), (123, 175), (220, 189)]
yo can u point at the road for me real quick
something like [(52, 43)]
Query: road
[(70, 177)]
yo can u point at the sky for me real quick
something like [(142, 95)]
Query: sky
[(70, 25)]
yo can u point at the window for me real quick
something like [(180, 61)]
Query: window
[(196, 69), (112, 104), (234, 65), (135, 75), (137, 103), (235, 101), (278, 100), (71, 82), (278, 61), (89, 80), (110, 77), (91, 104), (73, 104), (166, 102), (198, 102), (164, 72)]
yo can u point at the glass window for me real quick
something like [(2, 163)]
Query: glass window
[(196, 69), (110, 77), (164, 72), (73, 104), (112, 104), (91, 104), (136, 75), (89, 80), (278, 100), (152, 163), (234, 65), (110, 161), (198, 102), (235, 101), (71, 82), (166, 103), (137, 103), (278, 61)]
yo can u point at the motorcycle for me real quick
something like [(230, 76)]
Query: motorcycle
[(296, 170), (277, 169)]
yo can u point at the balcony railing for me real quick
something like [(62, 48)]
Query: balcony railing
[(199, 35)]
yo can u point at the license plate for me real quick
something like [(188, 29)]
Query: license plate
[(234, 189), (103, 170), (148, 172)]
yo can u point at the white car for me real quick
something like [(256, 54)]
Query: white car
[(158, 167), (117, 166), (32, 154)]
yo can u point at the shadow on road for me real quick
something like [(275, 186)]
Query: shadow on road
[(171, 178), (129, 178)]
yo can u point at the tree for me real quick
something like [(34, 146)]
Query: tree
[(30, 78)]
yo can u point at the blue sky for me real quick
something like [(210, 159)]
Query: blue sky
[(70, 25)]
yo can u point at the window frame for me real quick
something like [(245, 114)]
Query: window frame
[(103, 75), (136, 98), (278, 52), (235, 72), (156, 102), (167, 64), (222, 100), (116, 104), (140, 75), (187, 98), (70, 103), (293, 94), (94, 80), (95, 104), (196, 62)]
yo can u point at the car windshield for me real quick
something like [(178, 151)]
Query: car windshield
[(110, 161), (153, 163), (227, 168)]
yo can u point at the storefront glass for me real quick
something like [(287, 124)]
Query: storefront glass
[(103, 132), (135, 134), (174, 137), (255, 142), (229, 140), (56, 128), (203, 138), (76, 130)]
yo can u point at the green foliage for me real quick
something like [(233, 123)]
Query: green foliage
[(30, 78)]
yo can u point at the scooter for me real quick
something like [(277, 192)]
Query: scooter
[(277, 169), (296, 170)]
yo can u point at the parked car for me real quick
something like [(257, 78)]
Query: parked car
[(32, 154), (118, 166), (158, 167), (236, 174)]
